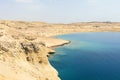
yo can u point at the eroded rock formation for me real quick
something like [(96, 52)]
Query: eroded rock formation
[(24, 59)]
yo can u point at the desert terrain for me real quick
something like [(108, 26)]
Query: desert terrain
[(26, 46)]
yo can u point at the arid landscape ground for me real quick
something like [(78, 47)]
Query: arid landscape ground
[(26, 46)]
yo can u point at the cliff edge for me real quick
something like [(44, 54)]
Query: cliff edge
[(24, 56), (26, 46)]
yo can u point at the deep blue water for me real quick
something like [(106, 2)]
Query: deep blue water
[(90, 56)]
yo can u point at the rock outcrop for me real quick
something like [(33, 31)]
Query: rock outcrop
[(23, 57), (25, 60)]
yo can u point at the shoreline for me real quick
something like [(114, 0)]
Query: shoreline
[(25, 47), (56, 60), (60, 44), (64, 42)]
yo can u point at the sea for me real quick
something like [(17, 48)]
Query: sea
[(89, 56)]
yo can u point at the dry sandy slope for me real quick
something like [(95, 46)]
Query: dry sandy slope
[(24, 47), (47, 30)]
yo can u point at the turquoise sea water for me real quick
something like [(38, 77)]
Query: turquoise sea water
[(89, 56)]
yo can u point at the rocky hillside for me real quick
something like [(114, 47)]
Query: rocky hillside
[(25, 61), (25, 47), (24, 56)]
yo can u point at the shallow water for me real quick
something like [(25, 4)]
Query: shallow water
[(90, 56)]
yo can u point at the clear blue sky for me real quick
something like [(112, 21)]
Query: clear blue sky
[(58, 11)]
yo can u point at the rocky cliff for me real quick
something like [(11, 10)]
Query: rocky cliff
[(25, 57), (25, 47), (25, 61)]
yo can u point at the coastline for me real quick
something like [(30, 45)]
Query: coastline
[(83, 44), (26, 46), (65, 43)]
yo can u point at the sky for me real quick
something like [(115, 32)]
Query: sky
[(60, 11)]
